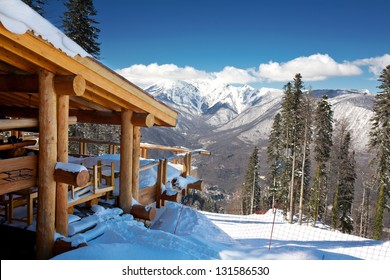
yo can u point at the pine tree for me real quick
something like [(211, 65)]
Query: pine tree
[(380, 141), (275, 159), (292, 123), (79, 25), (345, 188), (287, 115), (251, 196), (296, 137), (323, 143), (305, 166), (335, 166), (37, 5)]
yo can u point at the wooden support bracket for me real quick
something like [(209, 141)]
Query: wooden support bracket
[(72, 174), (64, 85)]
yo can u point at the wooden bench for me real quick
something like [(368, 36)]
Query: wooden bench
[(18, 173), (18, 179), (93, 190), (22, 198)]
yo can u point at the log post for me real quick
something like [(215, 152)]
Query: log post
[(189, 163), (62, 156), (142, 212), (175, 197), (63, 85), (69, 85), (126, 153), (81, 152), (47, 162), (71, 174), (142, 119), (136, 147), (85, 148), (185, 166), (159, 182)]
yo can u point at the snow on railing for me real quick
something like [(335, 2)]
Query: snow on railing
[(165, 187)]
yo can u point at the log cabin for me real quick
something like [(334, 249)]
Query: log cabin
[(47, 81)]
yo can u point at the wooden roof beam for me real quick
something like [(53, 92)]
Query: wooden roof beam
[(8, 124), (19, 112), (73, 85), (108, 85), (84, 116)]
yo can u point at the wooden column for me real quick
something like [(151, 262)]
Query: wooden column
[(136, 148), (47, 162), (125, 183), (62, 156), (159, 182)]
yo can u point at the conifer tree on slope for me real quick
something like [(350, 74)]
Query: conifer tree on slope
[(323, 143), (37, 5), (286, 124), (307, 116), (79, 25), (275, 160), (296, 139), (343, 198), (292, 124), (380, 141), (251, 196), (335, 159)]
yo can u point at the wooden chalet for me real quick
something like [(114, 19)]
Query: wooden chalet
[(42, 86)]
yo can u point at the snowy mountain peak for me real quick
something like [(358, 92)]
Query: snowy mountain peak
[(203, 96)]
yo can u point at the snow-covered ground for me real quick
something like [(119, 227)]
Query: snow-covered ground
[(182, 233)]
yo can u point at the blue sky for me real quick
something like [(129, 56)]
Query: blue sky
[(334, 44)]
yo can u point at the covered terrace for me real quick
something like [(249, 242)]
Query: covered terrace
[(49, 82)]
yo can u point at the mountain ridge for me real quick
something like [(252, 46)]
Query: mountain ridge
[(230, 120)]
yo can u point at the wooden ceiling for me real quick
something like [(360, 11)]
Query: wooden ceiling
[(21, 57)]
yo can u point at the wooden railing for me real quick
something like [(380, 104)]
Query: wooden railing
[(112, 147), (150, 194)]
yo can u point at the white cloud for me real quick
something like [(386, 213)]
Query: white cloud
[(316, 67), (144, 75), (375, 64), (234, 75)]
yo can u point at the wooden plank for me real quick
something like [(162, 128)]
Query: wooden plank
[(19, 83), (47, 160), (30, 162), (19, 112), (91, 196), (16, 61), (17, 185), (84, 199), (98, 117), (4, 147), (8, 124)]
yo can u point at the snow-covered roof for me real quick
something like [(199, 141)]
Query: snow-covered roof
[(30, 43), (26, 19)]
